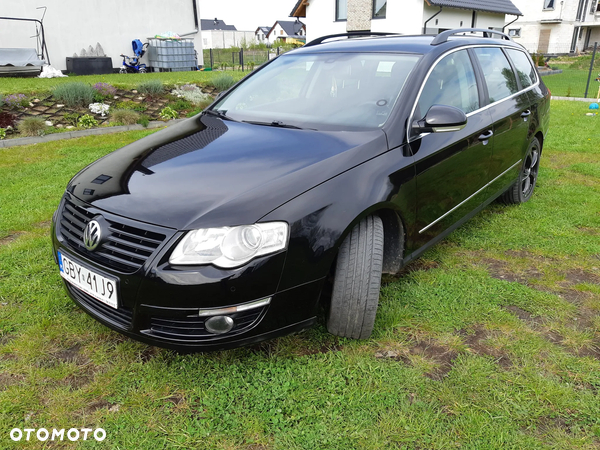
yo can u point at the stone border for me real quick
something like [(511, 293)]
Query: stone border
[(82, 133), (575, 99)]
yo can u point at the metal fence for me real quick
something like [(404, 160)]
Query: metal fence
[(576, 77), (232, 59)]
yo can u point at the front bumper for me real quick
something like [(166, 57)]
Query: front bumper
[(159, 304)]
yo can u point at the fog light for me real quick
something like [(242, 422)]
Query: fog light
[(219, 324)]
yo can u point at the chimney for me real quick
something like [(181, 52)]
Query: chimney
[(359, 15)]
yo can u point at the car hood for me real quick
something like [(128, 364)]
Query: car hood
[(210, 172)]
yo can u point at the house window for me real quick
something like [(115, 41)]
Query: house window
[(549, 4), (379, 7), (594, 7), (281, 32), (514, 32), (341, 9)]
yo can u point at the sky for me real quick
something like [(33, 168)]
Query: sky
[(247, 15)]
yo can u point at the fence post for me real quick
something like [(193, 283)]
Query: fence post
[(591, 68), (242, 58), (212, 59)]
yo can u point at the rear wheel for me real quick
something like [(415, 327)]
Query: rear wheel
[(122, 70), (355, 294), (523, 188)]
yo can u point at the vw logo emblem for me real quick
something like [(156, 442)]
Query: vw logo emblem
[(92, 235)]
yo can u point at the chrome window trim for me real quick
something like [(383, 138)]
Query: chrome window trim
[(477, 111), (469, 197)]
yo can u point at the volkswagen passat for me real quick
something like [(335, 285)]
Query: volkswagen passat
[(331, 164)]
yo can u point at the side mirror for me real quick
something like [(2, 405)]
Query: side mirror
[(440, 119)]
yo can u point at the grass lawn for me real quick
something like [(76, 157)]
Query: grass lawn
[(490, 341), (31, 86)]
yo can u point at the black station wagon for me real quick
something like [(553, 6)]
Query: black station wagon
[(299, 186)]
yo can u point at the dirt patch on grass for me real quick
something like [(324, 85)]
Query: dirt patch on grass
[(476, 343), (587, 230), (442, 357), (9, 379), (97, 405), (68, 355), (579, 276), (10, 238), (525, 316), (501, 270)]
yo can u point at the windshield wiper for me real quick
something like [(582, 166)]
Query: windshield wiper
[(219, 114), (276, 123)]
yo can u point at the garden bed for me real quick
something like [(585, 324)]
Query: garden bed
[(79, 106)]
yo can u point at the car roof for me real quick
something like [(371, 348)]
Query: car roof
[(420, 44)]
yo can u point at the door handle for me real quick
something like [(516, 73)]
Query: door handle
[(485, 136), (525, 113)]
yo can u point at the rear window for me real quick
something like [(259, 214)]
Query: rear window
[(499, 76), (525, 70)]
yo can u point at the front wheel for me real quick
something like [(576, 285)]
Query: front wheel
[(355, 294), (523, 188), (142, 70)]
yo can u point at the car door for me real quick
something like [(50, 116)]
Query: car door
[(510, 107), (451, 167)]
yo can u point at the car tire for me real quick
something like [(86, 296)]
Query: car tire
[(523, 188), (355, 293)]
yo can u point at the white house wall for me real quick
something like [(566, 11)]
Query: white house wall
[(227, 38), (402, 16), (561, 33), (71, 25), (320, 20)]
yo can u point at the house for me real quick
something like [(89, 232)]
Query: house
[(557, 26), (72, 25), (323, 17), (261, 34), (288, 31), (217, 34)]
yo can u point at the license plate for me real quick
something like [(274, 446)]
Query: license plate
[(102, 288)]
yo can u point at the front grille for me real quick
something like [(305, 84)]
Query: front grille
[(121, 317), (127, 248), (192, 328)]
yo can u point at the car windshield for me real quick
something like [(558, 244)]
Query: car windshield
[(323, 91)]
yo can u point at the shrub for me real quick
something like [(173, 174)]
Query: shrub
[(222, 82), (32, 126), (124, 116), (2, 133), (168, 113), (179, 105), (151, 88), (105, 89), (1, 100), (87, 121), (144, 120), (74, 94), (16, 101), (7, 120), (72, 118), (192, 94), (128, 104)]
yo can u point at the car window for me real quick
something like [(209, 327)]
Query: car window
[(322, 90), (452, 82), (499, 76), (525, 70)]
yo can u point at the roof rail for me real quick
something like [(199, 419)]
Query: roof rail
[(350, 34), (443, 37)]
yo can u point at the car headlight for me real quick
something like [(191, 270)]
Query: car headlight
[(230, 247)]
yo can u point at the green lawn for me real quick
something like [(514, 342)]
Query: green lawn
[(490, 341), (32, 86)]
